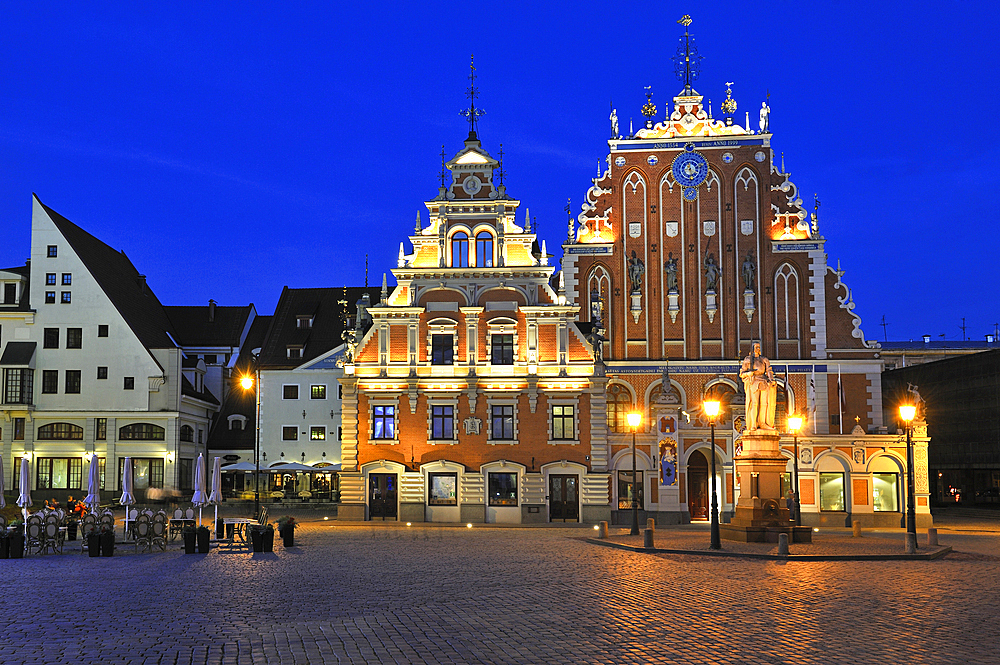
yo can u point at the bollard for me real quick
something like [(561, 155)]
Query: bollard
[(647, 538), (602, 532), (857, 529), (782, 543), (911, 543), (651, 523), (932, 536)]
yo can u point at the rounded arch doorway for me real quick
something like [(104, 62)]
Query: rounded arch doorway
[(697, 473)]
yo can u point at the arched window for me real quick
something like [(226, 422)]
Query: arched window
[(484, 249), (460, 250), (619, 404), (187, 433), (141, 432), (60, 431)]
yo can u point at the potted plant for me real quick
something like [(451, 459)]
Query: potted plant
[(286, 527), (190, 535), (94, 541), (107, 540), (203, 537), (262, 537), (15, 540)]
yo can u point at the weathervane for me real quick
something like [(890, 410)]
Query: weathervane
[(472, 114), (729, 105), (687, 62)]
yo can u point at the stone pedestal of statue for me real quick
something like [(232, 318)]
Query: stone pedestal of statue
[(761, 511)]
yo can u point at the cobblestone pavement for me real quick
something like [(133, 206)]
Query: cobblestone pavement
[(444, 594)]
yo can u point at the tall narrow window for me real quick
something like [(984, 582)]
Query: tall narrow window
[(619, 404), (442, 349), (484, 249), (460, 250), (384, 422), (442, 422), (100, 429), (74, 338), (503, 422), (502, 349), (562, 422), (50, 338), (50, 381)]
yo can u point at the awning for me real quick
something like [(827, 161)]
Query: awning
[(295, 467), (19, 354)]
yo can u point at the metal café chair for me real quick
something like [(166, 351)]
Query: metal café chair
[(159, 526), (34, 534), (87, 524), (142, 531), (52, 536)]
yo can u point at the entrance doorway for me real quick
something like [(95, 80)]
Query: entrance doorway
[(698, 486), (564, 498), (382, 496)]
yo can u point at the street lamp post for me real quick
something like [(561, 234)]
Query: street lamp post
[(711, 408), (907, 413), (634, 420), (249, 382), (794, 424)]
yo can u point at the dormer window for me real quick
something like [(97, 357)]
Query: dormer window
[(237, 422), (295, 351), (305, 321), (460, 250), (484, 249)]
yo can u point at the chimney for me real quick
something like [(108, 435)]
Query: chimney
[(927, 339), (142, 284), (211, 311)]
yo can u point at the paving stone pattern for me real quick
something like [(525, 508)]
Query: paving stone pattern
[(432, 594)]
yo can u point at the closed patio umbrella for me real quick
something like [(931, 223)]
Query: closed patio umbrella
[(93, 500), (200, 497), (24, 498), (128, 498), (2, 502), (215, 498)]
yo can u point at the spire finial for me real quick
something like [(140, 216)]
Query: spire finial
[(472, 114), (385, 287), (444, 169), (687, 62), (500, 172), (527, 220), (569, 214), (417, 227), (366, 271)]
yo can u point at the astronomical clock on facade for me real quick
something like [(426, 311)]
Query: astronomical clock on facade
[(693, 243), (469, 392)]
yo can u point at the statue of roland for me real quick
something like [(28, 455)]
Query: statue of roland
[(761, 390)]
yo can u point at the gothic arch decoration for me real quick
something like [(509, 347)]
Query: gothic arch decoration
[(668, 180), (598, 296), (517, 294), (724, 391), (712, 180), (622, 461), (421, 298), (621, 399), (786, 305), (675, 395), (745, 177)]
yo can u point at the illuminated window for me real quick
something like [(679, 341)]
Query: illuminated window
[(141, 432), (484, 249), (317, 434), (59, 473), (563, 419), (60, 432), (619, 404), (460, 250), (831, 491), (503, 489), (50, 279), (384, 422), (442, 489), (317, 392), (65, 297), (885, 492)]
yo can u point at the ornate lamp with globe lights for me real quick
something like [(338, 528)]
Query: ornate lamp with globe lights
[(252, 382), (908, 412)]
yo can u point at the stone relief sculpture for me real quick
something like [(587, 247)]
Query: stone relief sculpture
[(761, 390), (749, 272), (712, 273), (670, 269), (636, 269)]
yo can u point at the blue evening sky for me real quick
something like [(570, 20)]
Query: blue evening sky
[(234, 148)]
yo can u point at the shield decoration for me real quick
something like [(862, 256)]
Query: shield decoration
[(634, 229), (671, 228), (710, 228), (746, 227)]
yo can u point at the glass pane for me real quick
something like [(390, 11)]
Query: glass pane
[(503, 489), (885, 492), (60, 473), (140, 474), (831, 491), (443, 489)]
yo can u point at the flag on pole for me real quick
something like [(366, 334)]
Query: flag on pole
[(812, 398)]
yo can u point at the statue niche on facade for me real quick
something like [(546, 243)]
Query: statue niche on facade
[(761, 390)]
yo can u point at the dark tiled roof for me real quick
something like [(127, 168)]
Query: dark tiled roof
[(239, 401), (121, 282), (23, 271), (205, 395), (328, 322), (194, 328), (17, 353), (23, 305)]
